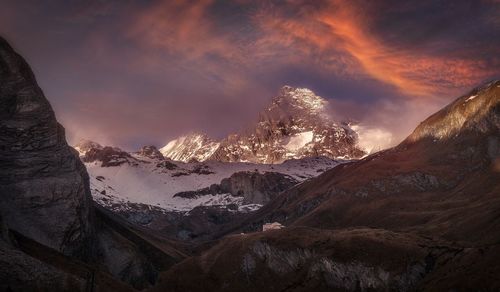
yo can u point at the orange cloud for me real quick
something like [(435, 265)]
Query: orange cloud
[(343, 27), (337, 38)]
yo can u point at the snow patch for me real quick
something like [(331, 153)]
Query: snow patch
[(186, 148), (470, 98), (148, 183), (299, 140)]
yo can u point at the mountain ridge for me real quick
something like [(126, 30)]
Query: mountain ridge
[(432, 199), (295, 125)]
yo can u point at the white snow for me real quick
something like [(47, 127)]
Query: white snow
[(145, 183), (309, 100), (186, 148), (299, 140), (172, 145), (470, 98)]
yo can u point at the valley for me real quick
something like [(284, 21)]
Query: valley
[(292, 203)]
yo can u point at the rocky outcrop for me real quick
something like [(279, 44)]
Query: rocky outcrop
[(257, 188), (151, 152), (43, 184), (254, 187), (83, 146), (108, 156)]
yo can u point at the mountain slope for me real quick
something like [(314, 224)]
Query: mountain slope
[(118, 178), (189, 148), (428, 164), (295, 125), (420, 216)]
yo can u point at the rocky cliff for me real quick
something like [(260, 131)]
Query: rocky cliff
[(52, 236), (44, 186), (254, 187)]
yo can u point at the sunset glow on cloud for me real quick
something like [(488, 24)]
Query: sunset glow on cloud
[(191, 61)]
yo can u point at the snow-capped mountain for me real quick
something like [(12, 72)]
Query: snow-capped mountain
[(192, 147), (121, 179), (295, 125), (85, 145)]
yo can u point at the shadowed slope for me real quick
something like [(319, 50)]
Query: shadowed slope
[(424, 215), (46, 203)]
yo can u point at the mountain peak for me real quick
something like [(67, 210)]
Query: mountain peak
[(299, 98), (84, 145), (194, 146), (295, 125), (475, 111)]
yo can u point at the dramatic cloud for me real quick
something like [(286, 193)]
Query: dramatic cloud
[(341, 26), (136, 72)]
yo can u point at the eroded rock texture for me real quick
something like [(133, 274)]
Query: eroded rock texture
[(43, 185)]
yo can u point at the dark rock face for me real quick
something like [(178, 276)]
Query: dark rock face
[(52, 236), (108, 156), (255, 187), (151, 152), (166, 165), (43, 185), (197, 224)]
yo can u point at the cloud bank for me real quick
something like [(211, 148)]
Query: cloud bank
[(142, 72)]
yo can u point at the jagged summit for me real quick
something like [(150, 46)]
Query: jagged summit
[(476, 111), (84, 145), (300, 98), (294, 125), (190, 147)]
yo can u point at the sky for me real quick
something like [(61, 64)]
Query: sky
[(131, 73)]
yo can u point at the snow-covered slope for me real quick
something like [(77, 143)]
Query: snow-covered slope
[(198, 147), (139, 179), (295, 125)]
